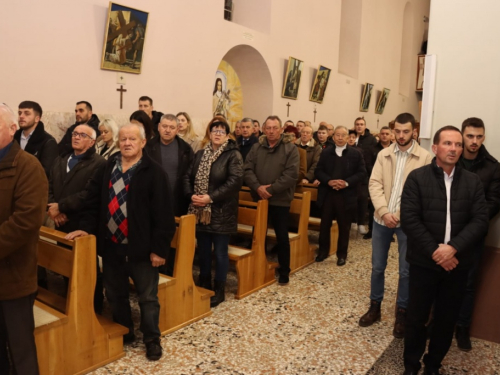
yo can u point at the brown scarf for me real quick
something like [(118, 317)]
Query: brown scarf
[(203, 214)]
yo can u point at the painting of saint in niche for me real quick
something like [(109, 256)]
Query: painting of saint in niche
[(227, 96), (366, 97), (379, 108), (319, 86), (124, 39), (292, 78)]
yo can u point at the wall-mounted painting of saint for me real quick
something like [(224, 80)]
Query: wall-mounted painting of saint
[(382, 101), (292, 78), (319, 85), (365, 97), (124, 39)]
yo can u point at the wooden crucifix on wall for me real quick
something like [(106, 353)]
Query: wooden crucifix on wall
[(122, 90)]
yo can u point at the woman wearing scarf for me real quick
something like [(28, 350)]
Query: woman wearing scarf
[(212, 184)]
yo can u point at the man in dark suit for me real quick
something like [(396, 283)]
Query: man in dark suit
[(247, 139), (340, 169)]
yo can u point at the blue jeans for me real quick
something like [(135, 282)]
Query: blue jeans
[(116, 272), (221, 244), (381, 242)]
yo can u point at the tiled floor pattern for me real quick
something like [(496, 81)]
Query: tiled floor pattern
[(310, 326)]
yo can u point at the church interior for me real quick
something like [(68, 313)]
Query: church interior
[(53, 54)]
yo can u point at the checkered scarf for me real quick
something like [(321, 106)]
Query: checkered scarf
[(203, 214)]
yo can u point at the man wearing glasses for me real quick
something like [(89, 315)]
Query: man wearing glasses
[(69, 176), (83, 115)]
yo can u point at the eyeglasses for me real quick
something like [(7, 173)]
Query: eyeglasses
[(219, 132), (81, 135)]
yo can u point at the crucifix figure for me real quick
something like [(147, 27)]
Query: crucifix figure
[(315, 113), (122, 90), (378, 118), (288, 109)]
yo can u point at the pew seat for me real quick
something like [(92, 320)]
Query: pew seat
[(70, 337)]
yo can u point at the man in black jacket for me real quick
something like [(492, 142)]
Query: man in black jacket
[(476, 159), (83, 115), (68, 179), (445, 217), (175, 156), (32, 136), (247, 139), (340, 170), (367, 143), (128, 210), (146, 105)]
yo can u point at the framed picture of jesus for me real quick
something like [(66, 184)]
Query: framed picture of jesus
[(124, 39)]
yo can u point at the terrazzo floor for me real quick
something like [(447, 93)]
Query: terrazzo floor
[(308, 327)]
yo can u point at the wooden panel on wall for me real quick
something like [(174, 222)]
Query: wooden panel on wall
[(485, 321)]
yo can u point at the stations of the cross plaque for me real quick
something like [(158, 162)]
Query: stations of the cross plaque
[(288, 109), (315, 113)]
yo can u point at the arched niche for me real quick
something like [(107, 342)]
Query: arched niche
[(255, 79)]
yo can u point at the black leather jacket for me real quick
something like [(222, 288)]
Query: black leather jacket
[(226, 178)]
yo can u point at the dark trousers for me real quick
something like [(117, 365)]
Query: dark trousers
[(116, 271), (334, 208), (465, 316), (221, 251), (371, 212), (278, 216), (445, 290), (17, 325), (362, 204)]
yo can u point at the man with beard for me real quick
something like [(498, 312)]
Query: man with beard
[(389, 174), (83, 115), (32, 136), (476, 159)]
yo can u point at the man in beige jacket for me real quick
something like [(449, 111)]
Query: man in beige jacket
[(393, 165)]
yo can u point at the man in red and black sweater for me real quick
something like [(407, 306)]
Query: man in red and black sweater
[(130, 203)]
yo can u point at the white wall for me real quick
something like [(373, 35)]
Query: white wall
[(53, 53), (464, 35)]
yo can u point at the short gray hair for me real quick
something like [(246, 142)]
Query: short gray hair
[(247, 119), (138, 126), (170, 117), (342, 127), (7, 114), (93, 133)]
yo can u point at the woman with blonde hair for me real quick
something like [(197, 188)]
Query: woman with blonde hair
[(106, 146), (186, 131)]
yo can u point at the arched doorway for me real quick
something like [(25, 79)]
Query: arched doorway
[(255, 79)]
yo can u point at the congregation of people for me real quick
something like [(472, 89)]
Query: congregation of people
[(126, 184)]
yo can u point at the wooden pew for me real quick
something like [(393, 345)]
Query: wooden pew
[(314, 222), (253, 270), (181, 301), (70, 338), (301, 254)]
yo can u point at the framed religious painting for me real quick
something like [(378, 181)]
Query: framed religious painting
[(366, 97), (420, 73), (319, 85), (382, 101), (124, 39), (292, 78)]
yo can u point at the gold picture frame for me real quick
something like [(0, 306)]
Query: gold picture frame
[(366, 97), (319, 86), (124, 39), (382, 101), (292, 78)]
